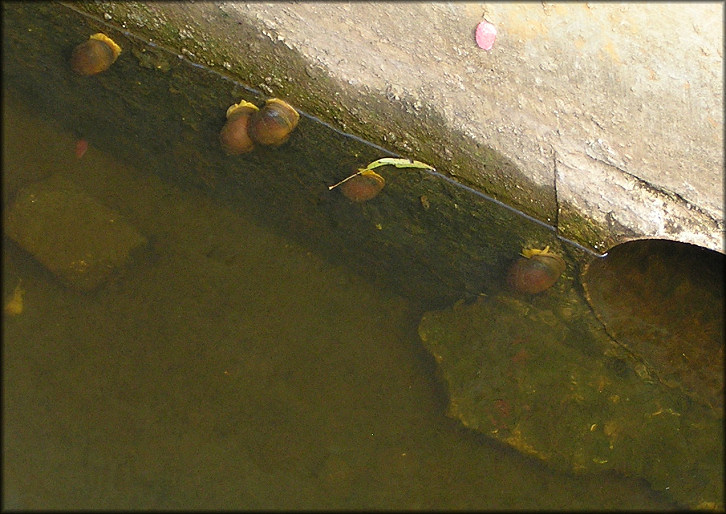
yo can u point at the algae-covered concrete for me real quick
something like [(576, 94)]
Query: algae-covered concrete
[(561, 392), (605, 120)]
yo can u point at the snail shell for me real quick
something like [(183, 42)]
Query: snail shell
[(363, 187), (536, 271), (234, 136), (273, 124), (95, 55)]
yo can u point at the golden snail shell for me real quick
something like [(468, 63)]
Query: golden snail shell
[(234, 136), (95, 55), (536, 271), (273, 123), (363, 187)]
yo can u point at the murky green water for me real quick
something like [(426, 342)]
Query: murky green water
[(263, 353), (235, 369)]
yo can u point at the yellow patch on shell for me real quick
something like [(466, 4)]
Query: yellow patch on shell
[(242, 105), (110, 42), (531, 252)]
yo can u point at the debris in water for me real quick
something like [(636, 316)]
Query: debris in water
[(14, 305), (81, 148)]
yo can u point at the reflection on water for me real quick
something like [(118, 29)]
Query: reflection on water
[(232, 368)]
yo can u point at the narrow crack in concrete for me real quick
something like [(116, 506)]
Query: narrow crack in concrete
[(657, 190), (554, 187)]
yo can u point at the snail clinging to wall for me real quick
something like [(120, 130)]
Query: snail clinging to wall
[(95, 55), (535, 271), (248, 125)]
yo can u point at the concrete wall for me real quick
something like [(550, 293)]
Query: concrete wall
[(603, 119)]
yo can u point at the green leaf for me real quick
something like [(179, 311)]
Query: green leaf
[(399, 163)]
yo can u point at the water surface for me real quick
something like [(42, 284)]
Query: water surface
[(232, 368)]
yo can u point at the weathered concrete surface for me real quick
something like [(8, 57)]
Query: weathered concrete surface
[(617, 105)]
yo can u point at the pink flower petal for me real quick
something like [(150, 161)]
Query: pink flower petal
[(486, 33)]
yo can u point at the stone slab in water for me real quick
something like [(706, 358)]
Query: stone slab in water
[(80, 240), (557, 392)]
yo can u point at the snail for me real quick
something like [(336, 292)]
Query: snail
[(95, 55), (273, 124), (363, 186), (536, 271), (234, 136)]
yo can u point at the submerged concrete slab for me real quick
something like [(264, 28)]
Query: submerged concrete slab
[(81, 241), (605, 120)]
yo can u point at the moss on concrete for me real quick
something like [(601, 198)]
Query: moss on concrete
[(162, 115), (244, 44), (576, 226), (237, 49)]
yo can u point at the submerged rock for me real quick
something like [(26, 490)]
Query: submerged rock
[(80, 240), (564, 394)]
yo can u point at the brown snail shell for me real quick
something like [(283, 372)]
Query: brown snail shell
[(363, 187), (95, 55), (536, 271), (273, 123), (234, 136)]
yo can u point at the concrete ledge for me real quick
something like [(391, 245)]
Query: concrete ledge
[(605, 120)]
